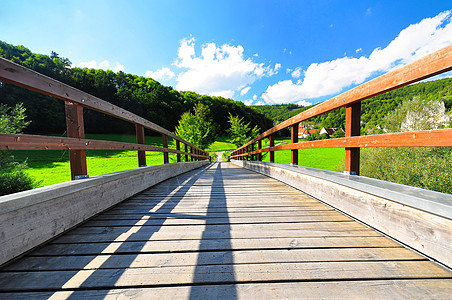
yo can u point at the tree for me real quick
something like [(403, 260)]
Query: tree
[(197, 127), (12, 176), (241, 133)]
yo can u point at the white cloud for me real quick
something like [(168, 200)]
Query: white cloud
[(104, 65), (219, 70), (245, 90), (322, 79), (248, 102), (296, 73), (164, 73), (255, 97), (359, 50), (260, 103), (304, 103), (271, 72), (224, 93)]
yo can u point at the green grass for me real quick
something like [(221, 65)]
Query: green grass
[(221, 144), (323, 158), (51, 167)]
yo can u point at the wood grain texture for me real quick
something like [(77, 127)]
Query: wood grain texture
[(36, 142), (214, 234)]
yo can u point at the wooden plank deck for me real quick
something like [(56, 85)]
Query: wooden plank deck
[(223, 232)]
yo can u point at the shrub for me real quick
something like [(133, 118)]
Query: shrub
[(424, 167), (12, 175), (324, 136)]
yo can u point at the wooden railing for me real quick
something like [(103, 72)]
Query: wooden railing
[(75, 101), (431, 65)]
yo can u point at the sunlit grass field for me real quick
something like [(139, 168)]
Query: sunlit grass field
[(51, 167)]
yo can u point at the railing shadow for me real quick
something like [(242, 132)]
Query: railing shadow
[(206, 271), (145, 233)]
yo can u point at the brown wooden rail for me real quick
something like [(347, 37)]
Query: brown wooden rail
[(428, 66), (75, 101)]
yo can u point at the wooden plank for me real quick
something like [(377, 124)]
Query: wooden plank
[(225, 220), (239, 215), (370, 289), (346, 225), (106, 261), (428, 66), (20, 281), (214, 241)]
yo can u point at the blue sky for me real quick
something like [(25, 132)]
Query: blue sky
[(254, 51)]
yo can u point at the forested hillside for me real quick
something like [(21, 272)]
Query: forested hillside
[(373, 109), (143, 96), (164, 105)]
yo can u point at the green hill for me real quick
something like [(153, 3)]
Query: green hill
[(143, 96)]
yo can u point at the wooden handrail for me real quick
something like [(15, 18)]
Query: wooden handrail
[(9, 141), (21, 76), (427, 138), (428, 66), (75, 101)]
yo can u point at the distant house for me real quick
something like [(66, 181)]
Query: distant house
[(305, 130), (302, 134), (329, 131)]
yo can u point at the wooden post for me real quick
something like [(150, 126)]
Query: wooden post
[(186, 150), (76, 129), (294, 139), (191, 151), (352, 128), (251, 150), (259, 147), (178, 148), (272, 144), (139, 129), (165, 145)]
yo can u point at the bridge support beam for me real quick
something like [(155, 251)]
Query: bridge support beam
[(272, 144), (352, 128), (178, 148), (76, 129), (139, 129), (259, 147), (165, 145), (293, 140)]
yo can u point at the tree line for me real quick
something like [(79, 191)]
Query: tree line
[(143, 96)]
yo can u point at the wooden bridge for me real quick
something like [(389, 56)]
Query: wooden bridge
[(225, 230)]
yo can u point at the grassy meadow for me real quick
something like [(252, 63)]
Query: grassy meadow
[(51, 167)]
